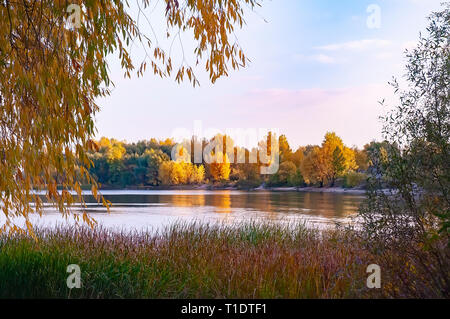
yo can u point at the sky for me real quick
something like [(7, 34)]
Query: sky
[(316, 66)]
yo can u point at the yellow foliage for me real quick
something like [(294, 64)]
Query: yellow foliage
[(220, 171), (315, 166), (350, 159), (104, 143), (197, 174), (180, 173), (320, 164), (116, 151)]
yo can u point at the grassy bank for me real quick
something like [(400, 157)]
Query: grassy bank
[(188, 261)]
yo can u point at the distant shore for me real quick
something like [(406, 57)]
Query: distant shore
[(336, 190)]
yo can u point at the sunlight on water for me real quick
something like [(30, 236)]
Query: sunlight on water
[(150, 210)]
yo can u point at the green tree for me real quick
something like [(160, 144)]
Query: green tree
[(286, 171), (414, 218), (154, 160), (337, 164), (296, 179)]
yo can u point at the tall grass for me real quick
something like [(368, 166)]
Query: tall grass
[(249, 260)]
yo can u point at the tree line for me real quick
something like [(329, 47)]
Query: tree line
[(148, 163)]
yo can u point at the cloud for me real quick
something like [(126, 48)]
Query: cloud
[(305, 115), (359, 45), (410, 45), (320, 58), (385, 55)]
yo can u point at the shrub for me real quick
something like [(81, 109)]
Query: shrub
[(353, 179)]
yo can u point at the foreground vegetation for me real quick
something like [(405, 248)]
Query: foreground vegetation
[(248, 260)]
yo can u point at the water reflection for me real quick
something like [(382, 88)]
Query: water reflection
[(150, 209)]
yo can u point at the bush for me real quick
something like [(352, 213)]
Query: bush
[(353, 179), (287, 175), (248, 184), (296, 179), (407, 209)]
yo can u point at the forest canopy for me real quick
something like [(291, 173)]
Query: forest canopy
[(148, 163)]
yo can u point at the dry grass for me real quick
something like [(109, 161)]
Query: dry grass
[(249, 260)]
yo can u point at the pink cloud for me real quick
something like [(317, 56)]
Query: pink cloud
[(305, 115)]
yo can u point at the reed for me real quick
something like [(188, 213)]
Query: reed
[(247, 260)]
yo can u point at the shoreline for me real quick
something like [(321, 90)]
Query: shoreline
[(334, 190)]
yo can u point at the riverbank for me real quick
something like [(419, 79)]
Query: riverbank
[(336, 190), (247, 260)]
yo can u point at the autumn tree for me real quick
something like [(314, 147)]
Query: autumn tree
[(287, 169), (217, 154), (268, 154), (361, 158), (180, 173), (154, 160), (220, 170), (325, 163), (196, 174), (284, 149), (339, 157), (298, 156), (53, 72), (315, 167), (170, 174), (115, 150)]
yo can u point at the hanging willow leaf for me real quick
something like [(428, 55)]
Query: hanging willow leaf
[(52, 73)]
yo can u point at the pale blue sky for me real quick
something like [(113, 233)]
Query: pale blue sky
[(316, 66)]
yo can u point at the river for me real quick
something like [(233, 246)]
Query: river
[(153, 209)]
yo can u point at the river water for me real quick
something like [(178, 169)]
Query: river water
[(153, 209)]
